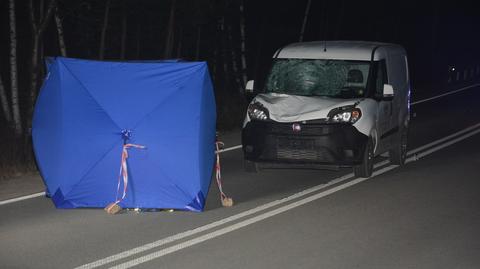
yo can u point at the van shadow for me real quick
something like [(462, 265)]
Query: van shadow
[(266, 185)]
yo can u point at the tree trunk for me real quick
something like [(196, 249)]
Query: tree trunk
[(224, 54), (17, 121), (170, 32), (233, 56), (258, 48), (101, 52), (215, 54), (226, 76), (38, 30), (41, 47), (61, 38), (5, 107), (305, 19), (242, 45), (34, 72), (124, 31)]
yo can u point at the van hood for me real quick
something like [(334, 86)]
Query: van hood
[(293, 108)]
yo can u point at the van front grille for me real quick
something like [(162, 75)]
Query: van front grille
[(301, 149), (297, 154), (306, 129)]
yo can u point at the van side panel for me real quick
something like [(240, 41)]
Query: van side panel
[(398, 78)]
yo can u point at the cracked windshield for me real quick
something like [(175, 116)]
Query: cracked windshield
[(331, 78)]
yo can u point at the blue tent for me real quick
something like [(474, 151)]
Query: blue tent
[(88, 110)]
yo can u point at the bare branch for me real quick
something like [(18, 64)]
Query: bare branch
[(17, 120), (61, 38), (104, 31), (305, 19), (33, 20), (44, 23), (4, 103)]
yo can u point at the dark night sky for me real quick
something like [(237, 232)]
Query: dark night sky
[(445, 33)]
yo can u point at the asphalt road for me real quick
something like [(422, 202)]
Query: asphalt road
[(423, 215)]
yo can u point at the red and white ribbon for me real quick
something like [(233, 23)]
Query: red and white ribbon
[(218, 172), (124, 171)]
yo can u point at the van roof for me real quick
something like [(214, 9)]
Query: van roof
[(340, 50)]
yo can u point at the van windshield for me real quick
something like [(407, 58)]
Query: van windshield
[(331, 78)]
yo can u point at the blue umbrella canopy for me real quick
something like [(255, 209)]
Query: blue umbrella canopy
[(88, 110)]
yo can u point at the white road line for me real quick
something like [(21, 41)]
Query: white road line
[(260, 208), (229, 149), (9, 201), (445, 94), (456, 140), (240, 146), (238, 225), (444, 139), (269, 214), (215, 224)]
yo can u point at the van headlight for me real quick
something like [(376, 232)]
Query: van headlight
[(347, 114), (257, 111)]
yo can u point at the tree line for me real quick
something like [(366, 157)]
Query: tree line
[(206, 30), (236, 47)]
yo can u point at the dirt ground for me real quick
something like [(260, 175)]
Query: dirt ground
[(20, 186)]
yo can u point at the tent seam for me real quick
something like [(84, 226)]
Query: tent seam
[(93, 97), (62, 122), (166, 99)]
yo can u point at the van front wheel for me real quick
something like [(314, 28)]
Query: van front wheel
[(398, 153), (365, 169)]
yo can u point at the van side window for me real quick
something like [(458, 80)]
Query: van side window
[(381, 77)]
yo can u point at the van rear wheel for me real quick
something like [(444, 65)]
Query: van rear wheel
[(398, 154), (365, 169)]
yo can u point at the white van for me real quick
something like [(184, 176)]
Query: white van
[(330, 104)]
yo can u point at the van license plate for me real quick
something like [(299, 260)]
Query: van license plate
[(295, 143)]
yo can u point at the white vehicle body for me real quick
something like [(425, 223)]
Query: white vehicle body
[(377, 71)]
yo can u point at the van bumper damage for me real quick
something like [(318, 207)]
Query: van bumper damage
[(309, 145)]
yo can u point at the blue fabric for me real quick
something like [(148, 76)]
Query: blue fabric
[(85, 111)]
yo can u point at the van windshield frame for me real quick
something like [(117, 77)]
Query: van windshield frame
[(343, 79)]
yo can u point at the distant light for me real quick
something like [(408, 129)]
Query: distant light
[(452, 68)]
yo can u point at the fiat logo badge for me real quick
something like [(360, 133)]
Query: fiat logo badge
[(296, 127)]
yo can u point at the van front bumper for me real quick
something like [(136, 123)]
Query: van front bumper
[(303, 145)]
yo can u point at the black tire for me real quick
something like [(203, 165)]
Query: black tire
[(251, 167), (365, 169), (398, 154)]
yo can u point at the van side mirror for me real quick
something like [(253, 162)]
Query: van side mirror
[(249, 87), (249, 91), (388, 92)]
